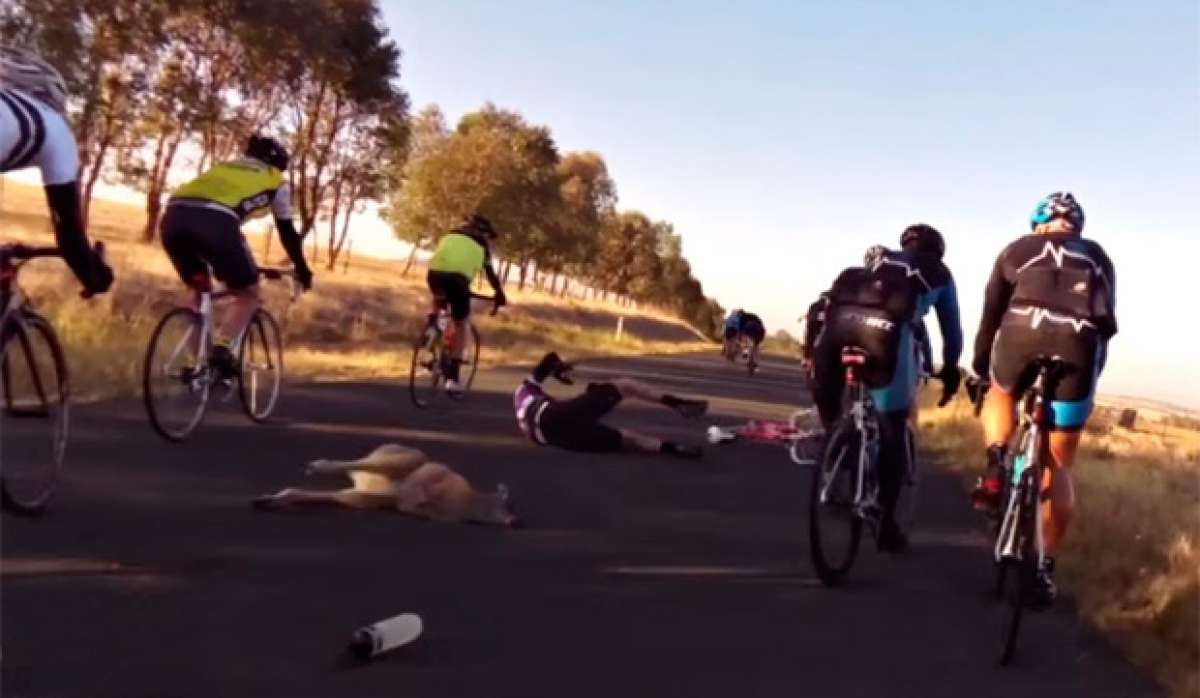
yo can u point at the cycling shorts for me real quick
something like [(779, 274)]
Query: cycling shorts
[(197, 238), (454, 288), (1018, 344), (755, 331), (890, 372), (575, 424)]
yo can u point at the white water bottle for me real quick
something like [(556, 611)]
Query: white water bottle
[(386, 635), (718, 435)]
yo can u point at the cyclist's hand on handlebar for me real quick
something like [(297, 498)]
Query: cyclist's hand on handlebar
[(950, 377), (977, 388), (101, 277), (501, 299), (304, 277)]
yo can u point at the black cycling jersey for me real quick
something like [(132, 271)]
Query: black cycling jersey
[(1064, 280), (814, 320)]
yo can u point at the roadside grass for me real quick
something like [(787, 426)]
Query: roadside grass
[(1132, 557), (354, 324)]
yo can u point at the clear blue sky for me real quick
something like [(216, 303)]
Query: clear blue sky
[(783, 138)]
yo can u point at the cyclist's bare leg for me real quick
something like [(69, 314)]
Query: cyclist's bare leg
[(998, 416), (1058, 511), (460, 330), (245, 303)]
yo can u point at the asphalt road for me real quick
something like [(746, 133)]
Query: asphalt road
[(637, 575)]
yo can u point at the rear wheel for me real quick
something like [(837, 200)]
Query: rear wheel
[(33, 373), (260, 369), (1016, 584), (175, 381), (834, 527)]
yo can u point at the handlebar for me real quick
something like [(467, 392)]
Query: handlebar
[(279, 274), (22, 253), (481, 297)]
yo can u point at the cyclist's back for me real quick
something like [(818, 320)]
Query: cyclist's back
[(34, 133)]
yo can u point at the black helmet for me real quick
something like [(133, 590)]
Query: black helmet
[(268, 150), (923, 238), (477, 224)]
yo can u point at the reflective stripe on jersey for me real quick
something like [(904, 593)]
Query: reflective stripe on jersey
[(34, 135), (245, 187), (458, 254)]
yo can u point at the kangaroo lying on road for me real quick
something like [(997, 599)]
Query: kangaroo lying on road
[(404, 479)]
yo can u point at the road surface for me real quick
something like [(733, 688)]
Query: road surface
[(637, 575)]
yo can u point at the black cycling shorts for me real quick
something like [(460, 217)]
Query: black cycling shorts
[(1018, 345), (455, 288), (756, 332), (872, 330), (197, 238), (575, 424)]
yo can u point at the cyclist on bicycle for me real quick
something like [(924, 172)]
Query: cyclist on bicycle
[(202, 229), (877, 309), (741, 324), (459, 257), (34, 133), (1051, 293), (575, 425)]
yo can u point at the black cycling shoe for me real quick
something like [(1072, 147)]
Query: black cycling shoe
[(1044, 591), (891, 538), (223, 361)]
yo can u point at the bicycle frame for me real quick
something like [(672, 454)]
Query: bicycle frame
[(862, 412), (1025, 472)]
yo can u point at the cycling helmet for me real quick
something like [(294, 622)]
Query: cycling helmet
[(24, 70), (1060, 204), (268, 150), (873, 255), (923, 238), (476, 223)]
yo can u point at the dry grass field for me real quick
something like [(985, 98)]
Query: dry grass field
[(356, 322)]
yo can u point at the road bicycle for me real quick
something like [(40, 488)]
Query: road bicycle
[(35, 384), (1018, 551), (179, 372), (845, 490), (432, 354)]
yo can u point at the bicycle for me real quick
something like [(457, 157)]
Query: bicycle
[(1018, 546), (179, 373), (846, 478), (431, 354), (37, 395)]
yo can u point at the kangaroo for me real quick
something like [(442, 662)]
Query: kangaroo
[(404, 479)]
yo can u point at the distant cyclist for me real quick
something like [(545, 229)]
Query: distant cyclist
[(877, 308), (742, 324), (1051, 293), (461, 254), (34, 133), (575, 424), (202, 228)]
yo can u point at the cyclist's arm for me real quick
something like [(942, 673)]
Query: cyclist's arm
[(289, 237), (492, 277), (950, 323), (72, 240), (1110, 275), (995, 303)]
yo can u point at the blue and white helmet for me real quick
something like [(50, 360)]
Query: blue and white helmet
[(1058, 205)]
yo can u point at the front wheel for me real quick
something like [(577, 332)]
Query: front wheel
[(33, 373), (834, 526), (260, 366), (176, 379), (470, 364)]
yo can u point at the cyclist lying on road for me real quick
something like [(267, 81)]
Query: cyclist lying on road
[(403, 479), (575, 424)]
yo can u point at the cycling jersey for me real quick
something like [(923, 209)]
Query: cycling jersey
[(572, 424), (904, 285), (1049, 295), (34, 135), (242, 188), (460, 253)]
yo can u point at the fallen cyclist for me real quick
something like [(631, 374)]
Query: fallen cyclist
[(575, 424)]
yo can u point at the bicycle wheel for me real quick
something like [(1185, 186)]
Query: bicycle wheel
[(425, 374), (35, 417), (834, 527), (470, 364), (260, 366), (1023, 575), (906, 506), (175, 382)]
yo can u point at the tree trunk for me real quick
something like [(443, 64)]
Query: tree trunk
[(349, 252), (521, 278), (343, 238), (97, 164), (333, 221), (412, 255)]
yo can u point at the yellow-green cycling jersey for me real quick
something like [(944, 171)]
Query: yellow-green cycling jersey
[(244, 187), (460, 254)]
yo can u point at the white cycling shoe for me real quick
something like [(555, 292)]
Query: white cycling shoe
[(454, 388)]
